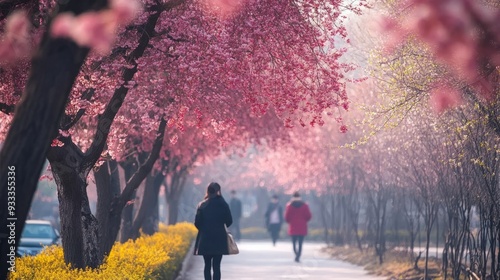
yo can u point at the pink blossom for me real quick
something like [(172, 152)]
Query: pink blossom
[(343, 128), (125, 10), (56, 143), (46, 177), (130, 202), (454, 30), (62, 25), (16, 41), (224, 8), (17, 26), (96, 30), (444, 97)]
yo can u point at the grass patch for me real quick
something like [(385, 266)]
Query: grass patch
[(396, 265)]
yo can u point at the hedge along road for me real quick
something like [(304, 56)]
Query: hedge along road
[(260, 260)]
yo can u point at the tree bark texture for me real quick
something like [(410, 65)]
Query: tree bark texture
[(146, 213), (79, 229), (108, 190)]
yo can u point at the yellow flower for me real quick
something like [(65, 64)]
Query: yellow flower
[(149, 257)]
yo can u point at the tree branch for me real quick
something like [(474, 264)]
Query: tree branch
[(66, 122), (145, 168), (107, 118)]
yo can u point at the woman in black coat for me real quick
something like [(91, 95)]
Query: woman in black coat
[(212, 216)]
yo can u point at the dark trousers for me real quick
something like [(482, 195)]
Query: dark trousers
[(235, 229), (297, 241), (212, 261), (274, 230)]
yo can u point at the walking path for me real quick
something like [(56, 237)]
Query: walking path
[(259, 260)]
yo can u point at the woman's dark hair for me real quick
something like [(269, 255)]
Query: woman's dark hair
[(296, 194), (212, 190)]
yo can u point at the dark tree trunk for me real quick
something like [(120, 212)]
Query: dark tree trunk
[(126, 223), (90, 229), (150, 224), (127, 214), (70, 206), (36, 120), (146, 214), (79, 230), (173, 211), (108, 190), (173, 194), (430, 218)]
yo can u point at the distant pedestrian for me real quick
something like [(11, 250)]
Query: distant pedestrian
[(212, 216), (236, 212), (297, 214), (274, 218)]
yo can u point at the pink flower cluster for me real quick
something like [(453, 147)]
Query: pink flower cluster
[(96, 30), (463, 34), (444, 97), (15, 42), (223, 8)]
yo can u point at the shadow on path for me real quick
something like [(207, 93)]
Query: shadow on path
[(260, 260)]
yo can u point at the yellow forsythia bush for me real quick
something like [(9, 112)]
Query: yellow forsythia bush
[(149, 257)]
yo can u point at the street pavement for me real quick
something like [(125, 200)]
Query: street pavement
[(260, 260)]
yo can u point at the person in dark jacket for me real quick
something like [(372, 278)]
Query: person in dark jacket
[(297, 214), (212, 216), (274, 218), (236, 212)]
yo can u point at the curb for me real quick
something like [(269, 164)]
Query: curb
[(185, 263)]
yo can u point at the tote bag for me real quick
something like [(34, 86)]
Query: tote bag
[(231, 244)]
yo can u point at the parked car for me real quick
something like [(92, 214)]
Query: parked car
[(36, 235)]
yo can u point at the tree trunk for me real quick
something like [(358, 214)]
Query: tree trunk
[(108, 190), (322, 204), (69, 193), (79, 231), (126, 215), (173, 194), (173, 211), (150, 225), (90, 228), (149, 204), (429, 223)]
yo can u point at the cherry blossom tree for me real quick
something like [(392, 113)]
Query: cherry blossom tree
[(53, 70), (172, 46)]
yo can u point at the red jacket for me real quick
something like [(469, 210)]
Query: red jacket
[(297, 214)]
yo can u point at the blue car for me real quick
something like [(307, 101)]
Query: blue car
[(36, 235)]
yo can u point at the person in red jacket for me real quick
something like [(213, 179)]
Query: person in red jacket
[(297, 214)]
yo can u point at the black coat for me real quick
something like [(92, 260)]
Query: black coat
[(270, 208), (211, 216), (235, 206)]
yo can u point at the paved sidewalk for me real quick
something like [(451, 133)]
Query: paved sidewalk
[(260, 260)]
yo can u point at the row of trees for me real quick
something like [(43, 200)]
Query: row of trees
[(182, 81), (406, 167)]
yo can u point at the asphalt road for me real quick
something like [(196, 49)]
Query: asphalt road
[(260, 260)]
